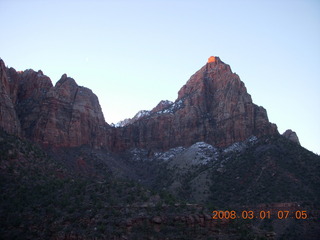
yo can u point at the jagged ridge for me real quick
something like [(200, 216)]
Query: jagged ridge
[(213, 107)]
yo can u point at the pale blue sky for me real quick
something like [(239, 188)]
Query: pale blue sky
[(133, 54)]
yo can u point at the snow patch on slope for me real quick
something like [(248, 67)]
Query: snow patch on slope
[(166, 156), (139, 154), (140, 114), (169, 107), (205, 153), (127, 121), (240, 146), (173, 107)]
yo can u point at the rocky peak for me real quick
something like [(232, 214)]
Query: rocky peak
[(214, 74), (212, 107), (65, 89), (71, 116), (214, 60), (64, 76), (31, 84), (64, 115), (28, 89), (128, 121), (211, 59), (122, 123), (161, 106), (66, 80), (291, 135)]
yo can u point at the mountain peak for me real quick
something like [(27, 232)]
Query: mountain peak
[(212, 107), (291, 135), (211, 59), (214, 59), (64, 78), (215, 74)]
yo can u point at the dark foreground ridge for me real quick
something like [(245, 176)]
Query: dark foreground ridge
[(66, 174)]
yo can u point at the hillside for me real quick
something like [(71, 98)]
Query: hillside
[(46, 198)]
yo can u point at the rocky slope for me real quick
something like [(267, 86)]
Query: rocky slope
[(81, 192), (76, 194)]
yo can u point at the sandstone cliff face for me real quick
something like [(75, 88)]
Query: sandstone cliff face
[(70, 116), (28, 90), (213, 107), (64, 115), (8, 117)]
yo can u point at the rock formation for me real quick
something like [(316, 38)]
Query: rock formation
[(63, 115), (213, 107), (291, 135), (164, 104), (8, 117), (70, 116), (28, 90)]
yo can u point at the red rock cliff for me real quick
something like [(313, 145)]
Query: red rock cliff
[(213, 106), (64, 115), (70, 116), (8, 117)]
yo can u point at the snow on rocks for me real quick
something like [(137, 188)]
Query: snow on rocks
[(139, 154), (166, 107), (140, 114), (198, 154), (127, 121), (121, 123), (205, 153), (172, 107), (166, 156), (239, 146)]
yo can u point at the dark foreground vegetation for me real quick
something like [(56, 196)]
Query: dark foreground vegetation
[(77, 194)]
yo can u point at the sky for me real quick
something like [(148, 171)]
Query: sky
[(133, 54)]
